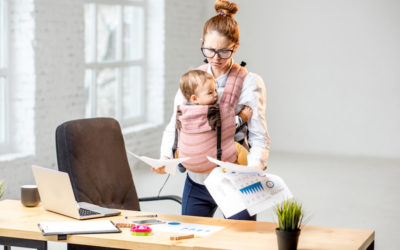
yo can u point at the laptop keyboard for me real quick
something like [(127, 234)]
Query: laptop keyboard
[(86, 212)]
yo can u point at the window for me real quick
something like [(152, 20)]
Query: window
[(115, 59), (3, 75)]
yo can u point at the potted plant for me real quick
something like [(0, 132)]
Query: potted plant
[(290, 216)]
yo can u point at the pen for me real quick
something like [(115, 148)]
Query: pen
[(243, 172), (145, 215)]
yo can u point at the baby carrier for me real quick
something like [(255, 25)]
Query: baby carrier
[(208, 130)]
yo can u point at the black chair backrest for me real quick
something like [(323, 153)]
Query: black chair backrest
[(92, 152)]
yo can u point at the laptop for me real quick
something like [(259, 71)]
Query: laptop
[(56, 195)]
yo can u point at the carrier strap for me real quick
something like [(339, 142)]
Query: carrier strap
[(219, 149)]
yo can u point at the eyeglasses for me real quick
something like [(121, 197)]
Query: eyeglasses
[(222, 53)]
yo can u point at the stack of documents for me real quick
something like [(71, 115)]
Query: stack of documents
[(236, 188)]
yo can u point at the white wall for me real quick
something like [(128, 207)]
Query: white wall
[(48, 39), (332, 73), (184, 27)]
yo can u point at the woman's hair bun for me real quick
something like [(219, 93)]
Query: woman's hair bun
[(225, 7)]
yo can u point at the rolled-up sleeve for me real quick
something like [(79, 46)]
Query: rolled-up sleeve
[(168, 137), (254, 95)]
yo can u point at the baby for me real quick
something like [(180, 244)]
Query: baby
[(199, 88)]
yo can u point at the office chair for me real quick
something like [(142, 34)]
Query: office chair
[(92, 152)]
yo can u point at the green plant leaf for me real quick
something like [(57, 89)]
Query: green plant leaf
[(290, 215)]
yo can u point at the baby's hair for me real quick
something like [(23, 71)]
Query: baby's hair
[(191, 80)]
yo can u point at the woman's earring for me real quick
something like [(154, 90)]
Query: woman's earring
[(205, 60)]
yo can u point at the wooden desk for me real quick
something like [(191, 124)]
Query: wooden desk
[(17, 221)]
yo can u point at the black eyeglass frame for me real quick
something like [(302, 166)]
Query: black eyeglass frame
[(218, 52)]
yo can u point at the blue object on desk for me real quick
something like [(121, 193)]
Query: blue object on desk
[(174, 223)]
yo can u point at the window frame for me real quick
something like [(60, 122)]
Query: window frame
[(4, 73), (118, 64)]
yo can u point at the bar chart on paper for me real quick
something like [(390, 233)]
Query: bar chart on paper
[(235, 188), (252, 188), (258, 191)]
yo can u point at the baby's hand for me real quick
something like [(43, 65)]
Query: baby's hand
[(246, 113)]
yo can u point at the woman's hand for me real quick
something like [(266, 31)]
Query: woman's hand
[(160, 170)]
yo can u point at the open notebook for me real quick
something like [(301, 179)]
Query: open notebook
[(78, 227)]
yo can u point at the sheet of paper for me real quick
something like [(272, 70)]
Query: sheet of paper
[(186, 228), (77, 227), (224, 193), (260, 192), (236, 168), (236, 191), (170, 164)]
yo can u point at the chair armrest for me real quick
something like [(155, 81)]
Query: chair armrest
[(163, 197)]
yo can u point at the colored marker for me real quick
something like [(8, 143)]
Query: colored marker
[(174, 223)]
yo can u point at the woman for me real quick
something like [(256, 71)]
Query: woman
[(220, 42)]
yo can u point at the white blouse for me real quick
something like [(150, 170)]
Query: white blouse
[(253, 94)]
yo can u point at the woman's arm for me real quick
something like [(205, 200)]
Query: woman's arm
[(168, 138), (254, 95)]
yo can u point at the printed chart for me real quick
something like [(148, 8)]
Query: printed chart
[(236, 188), (186, 228)]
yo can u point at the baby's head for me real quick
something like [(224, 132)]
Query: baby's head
[(199, 87)]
